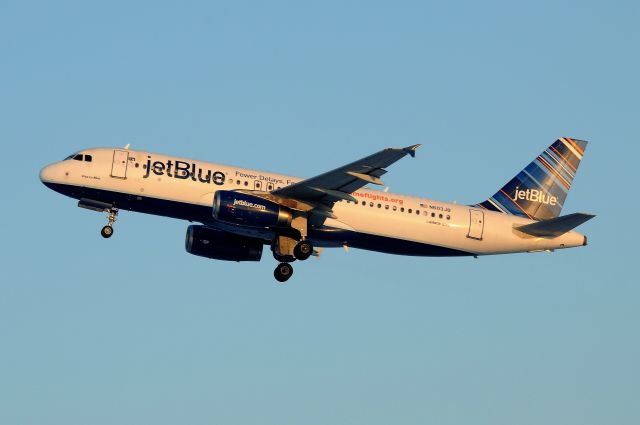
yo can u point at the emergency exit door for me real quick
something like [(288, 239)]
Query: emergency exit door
[(119, 165), (476, 224)]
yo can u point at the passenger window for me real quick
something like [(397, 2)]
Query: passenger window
[(448, 217), (409, 211), (258, 185), (440, 216), (270, 186), (417, 212), (433, 214), (89, 158), (371, 204), (402, 209), (395, 208), (386, 207), (246, 183), (379, 205)]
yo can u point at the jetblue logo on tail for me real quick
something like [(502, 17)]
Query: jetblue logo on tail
[(534, 195), (539, 190)]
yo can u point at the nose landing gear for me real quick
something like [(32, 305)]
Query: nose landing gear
[(112, 215)]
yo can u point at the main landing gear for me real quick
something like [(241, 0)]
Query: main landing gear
[(286, 252), (107, 230)]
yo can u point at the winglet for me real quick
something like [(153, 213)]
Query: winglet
[(411, 150)]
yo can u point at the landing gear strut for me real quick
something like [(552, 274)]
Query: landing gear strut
[(283, 272), (107, 230)]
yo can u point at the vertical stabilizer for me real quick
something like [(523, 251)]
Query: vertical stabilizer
[(539, 191)]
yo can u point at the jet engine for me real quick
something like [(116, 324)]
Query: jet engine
[(210, 243), (249, 210)]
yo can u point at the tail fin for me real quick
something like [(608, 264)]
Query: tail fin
[(539, 191)]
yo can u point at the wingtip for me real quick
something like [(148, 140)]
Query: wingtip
[(411, 150), (589, 215)]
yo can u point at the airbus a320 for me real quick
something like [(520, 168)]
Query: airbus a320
[(241, 210)]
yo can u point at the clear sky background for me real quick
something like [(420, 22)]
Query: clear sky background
[(134, 330)]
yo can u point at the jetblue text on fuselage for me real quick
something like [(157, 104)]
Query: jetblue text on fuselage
[(184, 170)]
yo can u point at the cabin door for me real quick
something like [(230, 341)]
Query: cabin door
[(476, 224), (119, 165)]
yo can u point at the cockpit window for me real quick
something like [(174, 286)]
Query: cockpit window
[(79, 157)]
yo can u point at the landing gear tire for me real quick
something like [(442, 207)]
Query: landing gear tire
[(106, 231), (283, 272), (303, 250)]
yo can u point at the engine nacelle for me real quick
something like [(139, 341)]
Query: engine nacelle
[(249, 210), (210, 243)]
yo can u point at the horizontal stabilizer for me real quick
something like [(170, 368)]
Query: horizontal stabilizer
[(555, 226)]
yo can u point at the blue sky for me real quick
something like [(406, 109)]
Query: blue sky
[(134, 330)]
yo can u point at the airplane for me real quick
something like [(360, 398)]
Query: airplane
[(240, 210)]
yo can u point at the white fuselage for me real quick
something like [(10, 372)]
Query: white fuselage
[(183, 188)]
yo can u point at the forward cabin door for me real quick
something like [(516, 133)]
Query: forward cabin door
[(476, 224), (119, 165)]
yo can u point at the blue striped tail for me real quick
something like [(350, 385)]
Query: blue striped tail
[(538, 192)]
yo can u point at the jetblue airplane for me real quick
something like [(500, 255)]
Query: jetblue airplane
[(241, 210)]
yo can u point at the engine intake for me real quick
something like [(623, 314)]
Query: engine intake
[(249, 210), (215, 244)]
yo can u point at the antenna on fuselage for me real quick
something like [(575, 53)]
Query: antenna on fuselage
[(127, 145)]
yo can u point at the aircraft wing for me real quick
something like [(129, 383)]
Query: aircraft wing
[(327, 188)]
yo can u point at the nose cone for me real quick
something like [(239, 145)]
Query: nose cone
[(52, 173), (47, 174)]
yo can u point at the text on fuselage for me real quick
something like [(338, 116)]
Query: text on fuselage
[(184, 170)]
